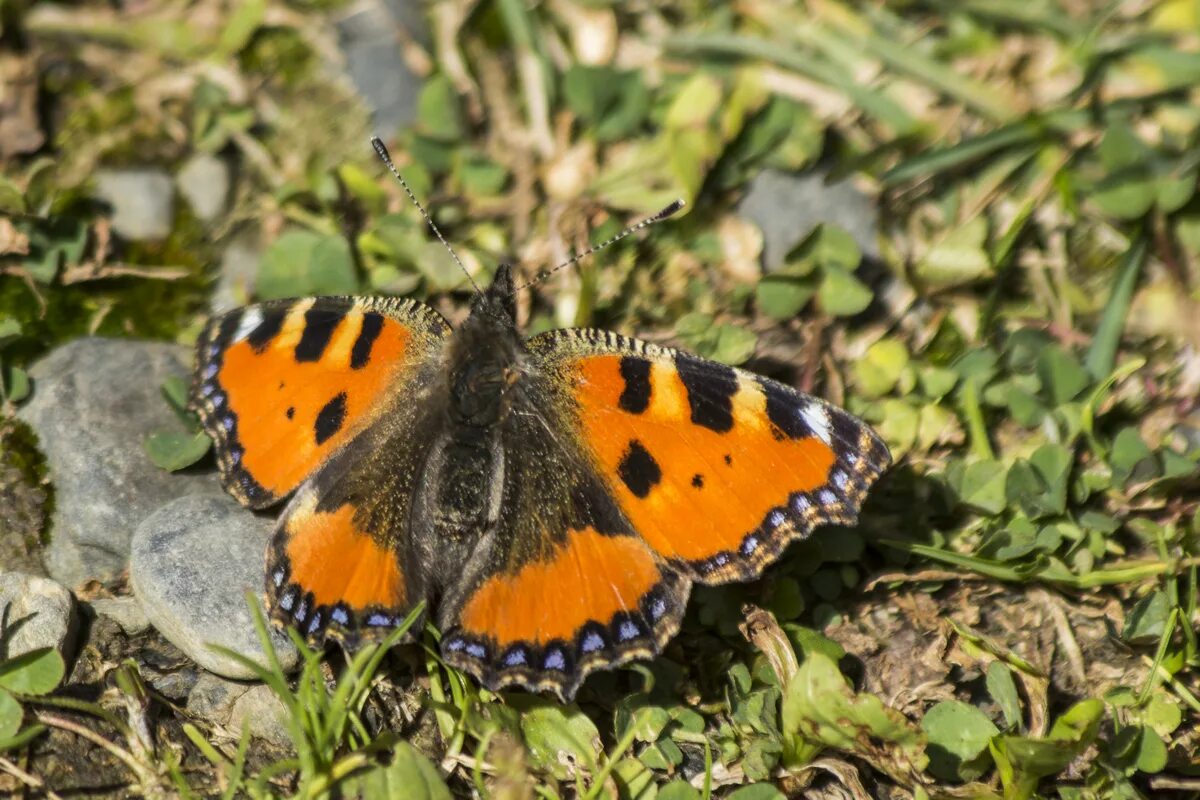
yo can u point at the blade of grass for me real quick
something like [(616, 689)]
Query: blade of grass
[(1102, 355), (906, 58), (872, 102)]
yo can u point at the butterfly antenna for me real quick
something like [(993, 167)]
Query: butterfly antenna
[(575, 259), (384, 156)]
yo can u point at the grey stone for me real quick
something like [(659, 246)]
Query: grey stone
[(191, 564), (125, 611), (204, 182), (368, 34), (142, 200), (35, 613), (787, 207), (239, 268), (94, 402), (231, 705)]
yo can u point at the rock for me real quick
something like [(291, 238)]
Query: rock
[(142, 200), (204, 182), (125, 611), (787, 207), (232, 705), (94, 402), (239, 268), (35, 613), (191, 564), (368, 35)]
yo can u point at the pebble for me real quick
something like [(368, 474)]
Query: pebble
[(204, 181), (94, 402), (788, 206), (125, 611), (231, 705), (36, 613), (192, 563), (239, 268), (142, 200), (368, 35)]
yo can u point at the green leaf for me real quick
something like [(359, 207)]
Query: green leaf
[(1163, 714), (16, 384), (983, 486), (878, 371), (782, 297), (1131, 458), (1062, 375), (10, 716), (678, 790), (1147, 620), (560, 739), (1003, 690), (1152, 752), (613, 103), (958, 258), (1127, 188), (12, 199), (10, 331), (695, 102), (438, 112), (1023, 760), (827, 246), (841, 294), (410, 775), (243, 20), (958, 735), (734, 344), (819, 706), (301, 263), (174, 451), (37, 672), (756, 791)]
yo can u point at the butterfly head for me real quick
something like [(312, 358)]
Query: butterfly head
[(486, 361)]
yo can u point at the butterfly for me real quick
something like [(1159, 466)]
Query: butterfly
[(553, 499)]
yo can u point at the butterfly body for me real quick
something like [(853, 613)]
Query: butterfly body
[(553, 500)]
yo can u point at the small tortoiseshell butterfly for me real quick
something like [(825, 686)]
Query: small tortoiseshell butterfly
[(553, 498)]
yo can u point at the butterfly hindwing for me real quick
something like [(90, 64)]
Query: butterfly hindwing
[(717, 469), (282, 385)]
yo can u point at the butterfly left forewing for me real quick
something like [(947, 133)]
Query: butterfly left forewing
[(717, 469), (280, 386)]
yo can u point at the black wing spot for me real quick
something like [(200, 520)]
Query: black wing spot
[(330, 418), (698, 481), (291, 412), (783, 410), (360, 354), (728, 460), (638, 469), (710, 389), (635, 397), (318, 330)]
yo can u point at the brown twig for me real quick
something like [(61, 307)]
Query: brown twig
[(29, 779)]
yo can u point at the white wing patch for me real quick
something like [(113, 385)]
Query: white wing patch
[(251, 319), (817, 419)]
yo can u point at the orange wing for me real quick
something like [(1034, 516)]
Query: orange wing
[(281, 386), (716, 469)]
